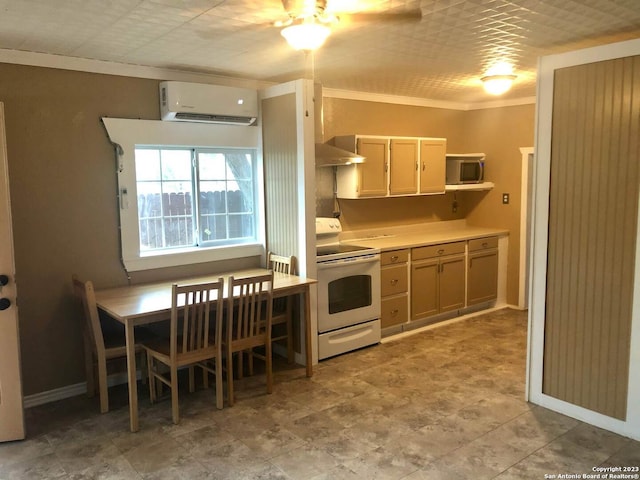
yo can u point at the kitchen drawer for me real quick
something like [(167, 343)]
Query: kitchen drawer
[(439, 250), (394, 311), (394, 256), (483, 243), (393, 280)]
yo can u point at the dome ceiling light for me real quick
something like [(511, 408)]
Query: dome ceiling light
[(498, 79)]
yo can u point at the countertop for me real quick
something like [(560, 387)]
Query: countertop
[(419, 235)]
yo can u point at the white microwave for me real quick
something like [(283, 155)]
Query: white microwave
[(465, 168)]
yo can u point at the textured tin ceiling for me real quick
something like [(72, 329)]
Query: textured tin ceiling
[(440, 57)]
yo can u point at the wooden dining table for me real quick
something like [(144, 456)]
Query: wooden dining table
[(145, 303)]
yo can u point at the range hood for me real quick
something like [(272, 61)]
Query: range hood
[(328, 155)]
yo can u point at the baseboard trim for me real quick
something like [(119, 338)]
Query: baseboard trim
[(69, 391), (54, 395)]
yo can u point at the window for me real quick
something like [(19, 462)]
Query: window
[(194, 197), (188, 192)]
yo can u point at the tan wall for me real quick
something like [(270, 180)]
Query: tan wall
[(62, 174), (498, 132)]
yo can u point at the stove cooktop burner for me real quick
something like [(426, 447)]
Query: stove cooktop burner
[(334, 249)]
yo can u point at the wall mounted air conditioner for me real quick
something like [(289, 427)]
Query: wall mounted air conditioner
[(198, 102)]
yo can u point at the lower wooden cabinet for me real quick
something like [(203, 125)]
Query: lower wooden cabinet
[(482, 271), (395, 310), (451, 283), (424, 288), (394, 282), (437, 279)]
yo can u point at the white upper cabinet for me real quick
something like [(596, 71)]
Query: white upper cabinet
[(393, 166)]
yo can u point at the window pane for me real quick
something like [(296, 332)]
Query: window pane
[(147, 164), (165, 206), (226, 195), (212, 166), (240, 226), (224, 192), (212, 198), (240, 166), (213, 227)]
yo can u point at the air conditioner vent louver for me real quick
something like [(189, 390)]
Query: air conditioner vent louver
[(196, 102), (209, 118)]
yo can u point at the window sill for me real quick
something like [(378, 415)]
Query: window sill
[(149, 260)]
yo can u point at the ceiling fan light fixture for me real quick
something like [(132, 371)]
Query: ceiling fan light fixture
[(306, 35)]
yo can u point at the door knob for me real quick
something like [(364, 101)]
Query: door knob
[(3, 280), (4, 303)]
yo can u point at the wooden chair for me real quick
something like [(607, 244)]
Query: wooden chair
[(248, 324), (283, 307), (100, 347), (195, 334)]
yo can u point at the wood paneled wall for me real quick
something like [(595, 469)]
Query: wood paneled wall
[(280, 174), (593, 213)]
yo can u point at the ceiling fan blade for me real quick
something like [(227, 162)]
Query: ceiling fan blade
[(414, 15)]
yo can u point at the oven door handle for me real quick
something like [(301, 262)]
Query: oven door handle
[(371, 258)]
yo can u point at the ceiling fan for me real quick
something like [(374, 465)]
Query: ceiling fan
[(308, 23)]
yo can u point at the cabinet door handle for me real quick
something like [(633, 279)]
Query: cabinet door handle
[(423, 166), (394, 281), (485, 244), (441, 251), (394, 258), (393, 313)]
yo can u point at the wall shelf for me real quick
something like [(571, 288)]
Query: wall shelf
[(470, 186)]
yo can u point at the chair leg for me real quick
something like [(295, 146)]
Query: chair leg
[(192, 380), (219, 392), (175, 408), (290, 353), (250, 359), (89, 369), (230, 376), (143, 367), (268, 361), (240, 365), (102, 382), (205, 378), (152, 379)]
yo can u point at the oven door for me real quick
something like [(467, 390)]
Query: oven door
[(348, 291)]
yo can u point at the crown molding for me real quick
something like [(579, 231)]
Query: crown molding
[(140, 71), (423, 102), (63, 62)]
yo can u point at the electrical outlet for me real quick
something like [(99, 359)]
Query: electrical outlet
[(505, 198)]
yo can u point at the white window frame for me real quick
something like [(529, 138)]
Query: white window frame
[(126, 134)]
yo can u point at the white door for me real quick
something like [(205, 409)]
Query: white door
[(11, 410)]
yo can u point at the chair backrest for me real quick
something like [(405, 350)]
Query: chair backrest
[(249, 311), (85, 292), (197, 306), (282, 264)]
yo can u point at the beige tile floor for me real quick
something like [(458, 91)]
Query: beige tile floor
[(446, 403)]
